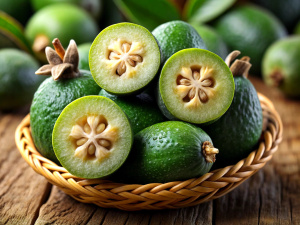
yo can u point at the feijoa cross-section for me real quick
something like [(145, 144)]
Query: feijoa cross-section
[(195, 86), (92, 137), (124, 58)]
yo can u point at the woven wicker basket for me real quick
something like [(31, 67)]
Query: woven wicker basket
[(155, 196)]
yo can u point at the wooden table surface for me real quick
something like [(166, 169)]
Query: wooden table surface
[(271, 196)]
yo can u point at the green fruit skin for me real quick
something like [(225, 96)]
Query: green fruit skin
[(83, 51), (164, 152), (237, 132), (283, 57), (49, 101), (250, 30), (62, 21), (212, 40), (91, 6), (141, 109), (176, 35), (17, 77)]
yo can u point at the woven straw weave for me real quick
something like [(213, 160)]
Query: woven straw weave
[(155, 196)]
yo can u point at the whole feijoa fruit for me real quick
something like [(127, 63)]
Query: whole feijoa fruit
[(237, 132), (124, 58), (281, 66), (92, 137), (141, 109), (168, 151), (176, 35), (251, 30), (195, 86), (18, 81), (63, 21), (55, 93)]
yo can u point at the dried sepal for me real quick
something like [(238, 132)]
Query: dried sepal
[(240, 67), (62, 64), (44, 70)]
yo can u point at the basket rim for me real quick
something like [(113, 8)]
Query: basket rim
[(105, 193)]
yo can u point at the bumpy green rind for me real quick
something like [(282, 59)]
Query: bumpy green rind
[(212, 40), (250, 29), (141, 109), (176, 35), (164, 152), (237, 132), (283, 57), (63, 21), (64, 149), (17, 78), (49, 101), (83, 51)]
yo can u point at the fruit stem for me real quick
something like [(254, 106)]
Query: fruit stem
[(59, 48), (240, 67), (209, 152), (40, 43)]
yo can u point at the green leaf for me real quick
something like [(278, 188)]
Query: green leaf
[(148, 13), (201, 11), (12, 33)]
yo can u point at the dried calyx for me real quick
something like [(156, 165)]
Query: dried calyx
[(195, 85), (209, 152), (277, 78), (240, 67), (62, 64)]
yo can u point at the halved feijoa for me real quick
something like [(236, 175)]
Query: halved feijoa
[(92, 137), (196, 86), (124, 58)]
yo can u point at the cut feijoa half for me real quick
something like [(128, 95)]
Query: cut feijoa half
[(92, 137), (124, 58), (196, 86)]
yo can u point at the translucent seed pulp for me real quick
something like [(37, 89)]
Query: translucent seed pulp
[(93, 137), (125, 56), (195, 85)]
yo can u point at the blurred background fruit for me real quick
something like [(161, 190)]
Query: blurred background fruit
[(213, 41), (93, 7), (63, 21), (17, 78), (281, 66), (250, 29), (288, 11)]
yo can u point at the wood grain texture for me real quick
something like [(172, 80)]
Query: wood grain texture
[(272, 196), (22, 192)]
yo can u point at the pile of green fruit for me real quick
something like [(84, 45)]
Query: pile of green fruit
[(154, 107)]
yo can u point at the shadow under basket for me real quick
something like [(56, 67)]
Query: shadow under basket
[(154, 196)]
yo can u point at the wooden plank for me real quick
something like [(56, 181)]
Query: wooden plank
[(22, 191), (286, 161)]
